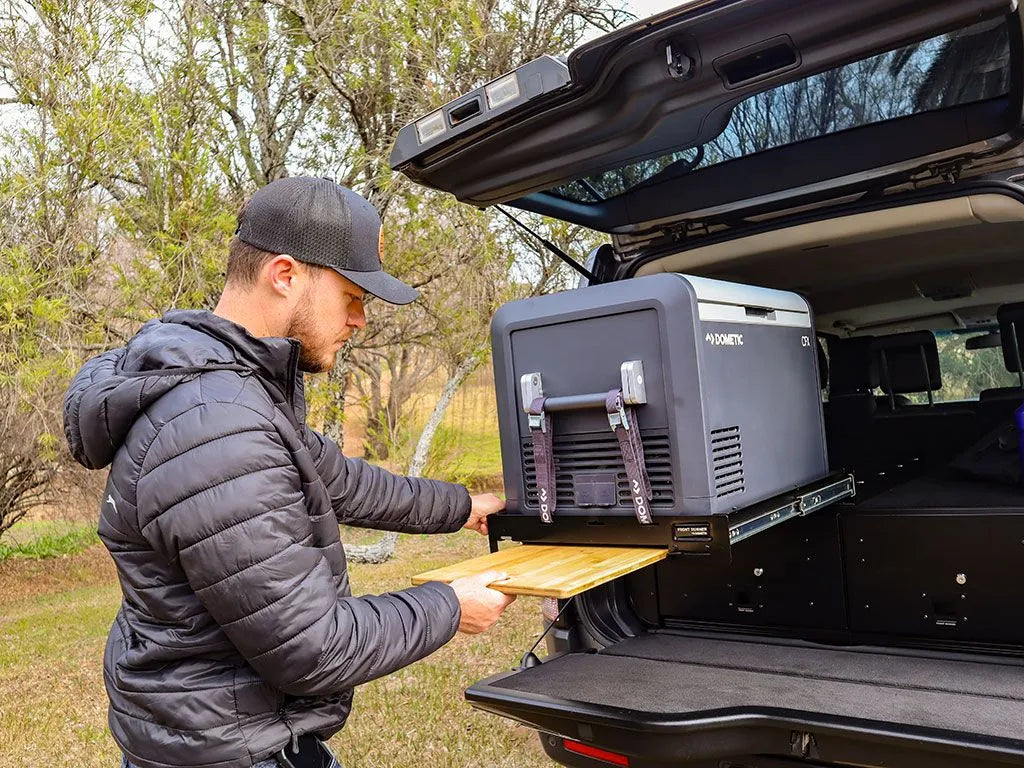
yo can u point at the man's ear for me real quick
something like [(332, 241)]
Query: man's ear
[(281, 273)]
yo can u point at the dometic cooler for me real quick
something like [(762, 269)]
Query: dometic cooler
[(668, 409)]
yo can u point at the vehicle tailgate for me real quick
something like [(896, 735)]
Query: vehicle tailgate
[(694, 698)]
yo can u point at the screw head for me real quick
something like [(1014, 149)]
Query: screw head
[(759, 572), (961, 579)]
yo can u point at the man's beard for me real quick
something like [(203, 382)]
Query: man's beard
[(312, 357)]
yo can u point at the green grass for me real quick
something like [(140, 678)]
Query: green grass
[(54, 617), (38, 539), (466, 447)]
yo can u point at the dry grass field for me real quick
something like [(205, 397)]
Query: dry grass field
[(54, 616)]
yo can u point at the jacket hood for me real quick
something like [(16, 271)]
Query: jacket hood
[(112, 389)]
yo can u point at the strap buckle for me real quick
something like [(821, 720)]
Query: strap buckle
[(618, 418), (538, 421)]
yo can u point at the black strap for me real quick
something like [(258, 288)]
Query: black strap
[(543, 459), (624, 425)]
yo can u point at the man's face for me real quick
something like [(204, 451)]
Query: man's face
[(326, 315)]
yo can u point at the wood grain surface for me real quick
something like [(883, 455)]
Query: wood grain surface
[(550, 571)]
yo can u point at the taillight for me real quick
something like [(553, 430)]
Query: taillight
[(594, 752), (549, 608)]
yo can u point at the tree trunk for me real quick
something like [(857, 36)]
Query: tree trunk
[(375, 445), (383, 550), (338, 378), (380, 551), (459, 375)]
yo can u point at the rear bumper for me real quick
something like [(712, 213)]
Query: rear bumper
[(658, 740)]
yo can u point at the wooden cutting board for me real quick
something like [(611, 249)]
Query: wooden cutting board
[(550, 571)]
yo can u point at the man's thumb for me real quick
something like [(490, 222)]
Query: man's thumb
[(490, 577)]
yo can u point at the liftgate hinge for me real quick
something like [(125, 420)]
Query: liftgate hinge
[(679, 64), (948, 171)]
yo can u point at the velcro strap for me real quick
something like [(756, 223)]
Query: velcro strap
[(627, 431), (543, 459)]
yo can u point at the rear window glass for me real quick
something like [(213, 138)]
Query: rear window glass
[(962, 67), (966, 373)]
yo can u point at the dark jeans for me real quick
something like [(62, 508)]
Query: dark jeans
[(271, 763)]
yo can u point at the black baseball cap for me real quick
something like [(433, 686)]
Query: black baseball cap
[(320, 222)]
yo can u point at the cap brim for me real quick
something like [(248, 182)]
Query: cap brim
[(382, 285)]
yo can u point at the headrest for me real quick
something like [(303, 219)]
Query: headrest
[(1011, 329), (853, 369), (908, 362)]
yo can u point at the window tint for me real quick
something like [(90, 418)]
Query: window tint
[(962, 67)]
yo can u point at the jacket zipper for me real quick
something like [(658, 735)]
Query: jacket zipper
[(291, 729)]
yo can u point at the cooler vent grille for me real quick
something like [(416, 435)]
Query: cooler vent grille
[(727, 461), (590, 452)]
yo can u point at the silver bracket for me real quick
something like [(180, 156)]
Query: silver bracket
[(634, 390), (531, 387), (618, 419)]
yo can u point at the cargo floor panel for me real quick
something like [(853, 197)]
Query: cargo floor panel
[(1000, 678), (692, 683), (945, 490)]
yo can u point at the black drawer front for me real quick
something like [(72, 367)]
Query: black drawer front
[(953, 576), (789, 576)]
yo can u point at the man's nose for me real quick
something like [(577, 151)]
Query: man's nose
[(357, 318)]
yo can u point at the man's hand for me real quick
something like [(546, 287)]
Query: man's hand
[(483, 505), (481, 606)]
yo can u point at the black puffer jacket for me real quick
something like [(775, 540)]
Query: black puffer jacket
[(237, 632)]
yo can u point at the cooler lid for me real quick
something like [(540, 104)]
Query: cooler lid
[(722, 301)]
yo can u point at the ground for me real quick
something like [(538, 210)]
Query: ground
[(54, 617)]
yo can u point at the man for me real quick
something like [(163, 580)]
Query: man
[(238, 643)]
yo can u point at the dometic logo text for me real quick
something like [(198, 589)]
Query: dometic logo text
[(640, 503), (725, 339), (545, 508)]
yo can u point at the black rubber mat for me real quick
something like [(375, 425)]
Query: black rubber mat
[(687, 677)]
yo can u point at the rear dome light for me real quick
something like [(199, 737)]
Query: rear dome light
[(502, 90), (430, 127)]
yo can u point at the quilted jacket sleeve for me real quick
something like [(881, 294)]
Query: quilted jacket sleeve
[(226, 503), (371, 497)]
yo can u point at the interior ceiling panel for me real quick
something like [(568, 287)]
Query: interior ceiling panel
[(926, 261)]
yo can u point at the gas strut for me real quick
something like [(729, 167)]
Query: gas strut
[(554, 248)]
